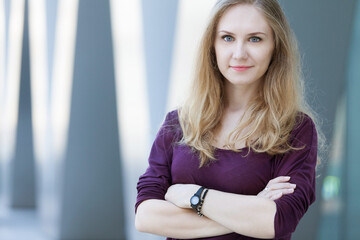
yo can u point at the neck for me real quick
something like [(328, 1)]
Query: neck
[(238, 97)]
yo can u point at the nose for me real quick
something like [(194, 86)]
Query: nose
[(240, 51)]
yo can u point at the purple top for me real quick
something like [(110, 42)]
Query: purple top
[(172, 163)]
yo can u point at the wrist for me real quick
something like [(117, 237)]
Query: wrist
[(197, 200)]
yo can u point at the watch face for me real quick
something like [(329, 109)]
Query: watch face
[(194, 200)]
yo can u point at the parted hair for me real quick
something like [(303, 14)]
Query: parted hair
[(271, 115)]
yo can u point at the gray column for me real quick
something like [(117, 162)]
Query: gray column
[(91, 180), (352, 178), (159, 19), (22, 167), (323, 30)]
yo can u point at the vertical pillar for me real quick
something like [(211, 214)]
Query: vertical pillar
[(22, 167), (159, 20), (59, 35), (351, 206), (91, 182)]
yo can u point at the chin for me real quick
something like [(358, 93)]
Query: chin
[(241, 82)]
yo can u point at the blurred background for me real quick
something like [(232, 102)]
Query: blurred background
[(85, 85)]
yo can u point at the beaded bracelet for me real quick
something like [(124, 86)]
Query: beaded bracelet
[(202, 202)]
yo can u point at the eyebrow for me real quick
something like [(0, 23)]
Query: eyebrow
[(249, 34)]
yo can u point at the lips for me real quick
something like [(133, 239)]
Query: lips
[(240, 68)]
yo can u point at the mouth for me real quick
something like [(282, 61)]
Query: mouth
[(240, 68)]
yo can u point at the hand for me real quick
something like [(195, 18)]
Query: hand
[(277, 187), (180, 194)]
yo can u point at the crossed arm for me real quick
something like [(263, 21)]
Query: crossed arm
[(164, 218), (225, 212)]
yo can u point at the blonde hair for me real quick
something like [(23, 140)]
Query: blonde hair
[(271, 116)]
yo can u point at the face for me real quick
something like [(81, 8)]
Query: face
[(243, 45)]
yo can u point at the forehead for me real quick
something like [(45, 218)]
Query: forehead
[(243, 18)]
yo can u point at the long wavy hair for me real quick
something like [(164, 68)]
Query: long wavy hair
[(271, 116)]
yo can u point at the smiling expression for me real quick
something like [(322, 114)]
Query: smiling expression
[(244, 45)]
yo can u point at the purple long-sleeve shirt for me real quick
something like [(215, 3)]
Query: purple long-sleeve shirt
[(235, 172)]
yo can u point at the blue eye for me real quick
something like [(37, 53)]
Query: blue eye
[(228, 38), (255, 39)]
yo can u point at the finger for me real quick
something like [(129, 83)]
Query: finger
[(279, 179), (270, 191), (276, 196), (274, 193), (276, 186), (263, 194)]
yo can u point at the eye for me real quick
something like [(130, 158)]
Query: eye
[(228, 38), (255, 39)]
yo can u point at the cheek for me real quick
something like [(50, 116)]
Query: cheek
[(263, 56), (221, 60), (222, 56), (269, 53)]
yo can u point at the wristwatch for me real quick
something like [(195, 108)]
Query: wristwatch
[(195, 200)]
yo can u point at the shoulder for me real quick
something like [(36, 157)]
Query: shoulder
[(304, 131), (171, 121), (303, 152), (303, 120), (171, 125), (172, 117)]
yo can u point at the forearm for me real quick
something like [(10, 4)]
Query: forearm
[(164, 218), (247, 215)]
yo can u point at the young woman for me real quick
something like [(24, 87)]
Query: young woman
[(237, 160)]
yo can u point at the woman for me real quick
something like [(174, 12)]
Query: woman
[(241, 152)]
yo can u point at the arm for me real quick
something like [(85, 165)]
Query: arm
[(165, 219), (153, 215), (256, 213), (247, 215), (300, 165)]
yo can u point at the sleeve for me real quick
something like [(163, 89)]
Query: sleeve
[(154, 183), (300, 166)]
